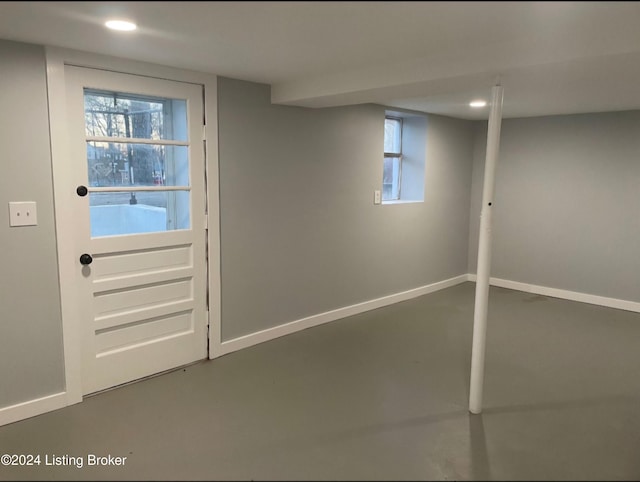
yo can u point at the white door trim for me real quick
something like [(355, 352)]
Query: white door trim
[(56, 59)]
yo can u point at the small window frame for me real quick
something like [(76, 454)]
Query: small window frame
[(397, 155)]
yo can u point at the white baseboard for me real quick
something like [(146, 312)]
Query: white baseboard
[(315, 320), (32, 408), (564, 294), (42, 405), (39, 406)]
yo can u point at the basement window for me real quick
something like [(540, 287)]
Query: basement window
[(403, 173)]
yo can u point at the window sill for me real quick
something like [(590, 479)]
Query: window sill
[(403, 201)]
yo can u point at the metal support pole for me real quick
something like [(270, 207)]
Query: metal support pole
[(484, 253)]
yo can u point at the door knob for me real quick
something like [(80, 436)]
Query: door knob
[(86, 259), (82, 191)]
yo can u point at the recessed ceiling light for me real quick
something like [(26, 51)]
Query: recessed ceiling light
[(477, 103), (122, 25)]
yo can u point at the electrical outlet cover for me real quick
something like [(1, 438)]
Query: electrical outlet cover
[(23, 214)]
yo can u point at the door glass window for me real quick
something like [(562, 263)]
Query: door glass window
[(131, 212), (138, 163), (117, 164), (115, 114)]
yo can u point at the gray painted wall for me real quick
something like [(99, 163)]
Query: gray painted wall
[(31, 355), (567, 212), (300, 234)]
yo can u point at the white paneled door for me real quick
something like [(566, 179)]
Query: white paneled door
[(136, 150)]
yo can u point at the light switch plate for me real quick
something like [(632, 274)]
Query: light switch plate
[(376, 197), (23, 214)]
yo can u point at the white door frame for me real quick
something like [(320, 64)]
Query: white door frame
[(64, 193)]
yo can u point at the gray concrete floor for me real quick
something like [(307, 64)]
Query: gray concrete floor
[(377, 396)]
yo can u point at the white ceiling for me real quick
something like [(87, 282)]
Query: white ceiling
[(551, 57)]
